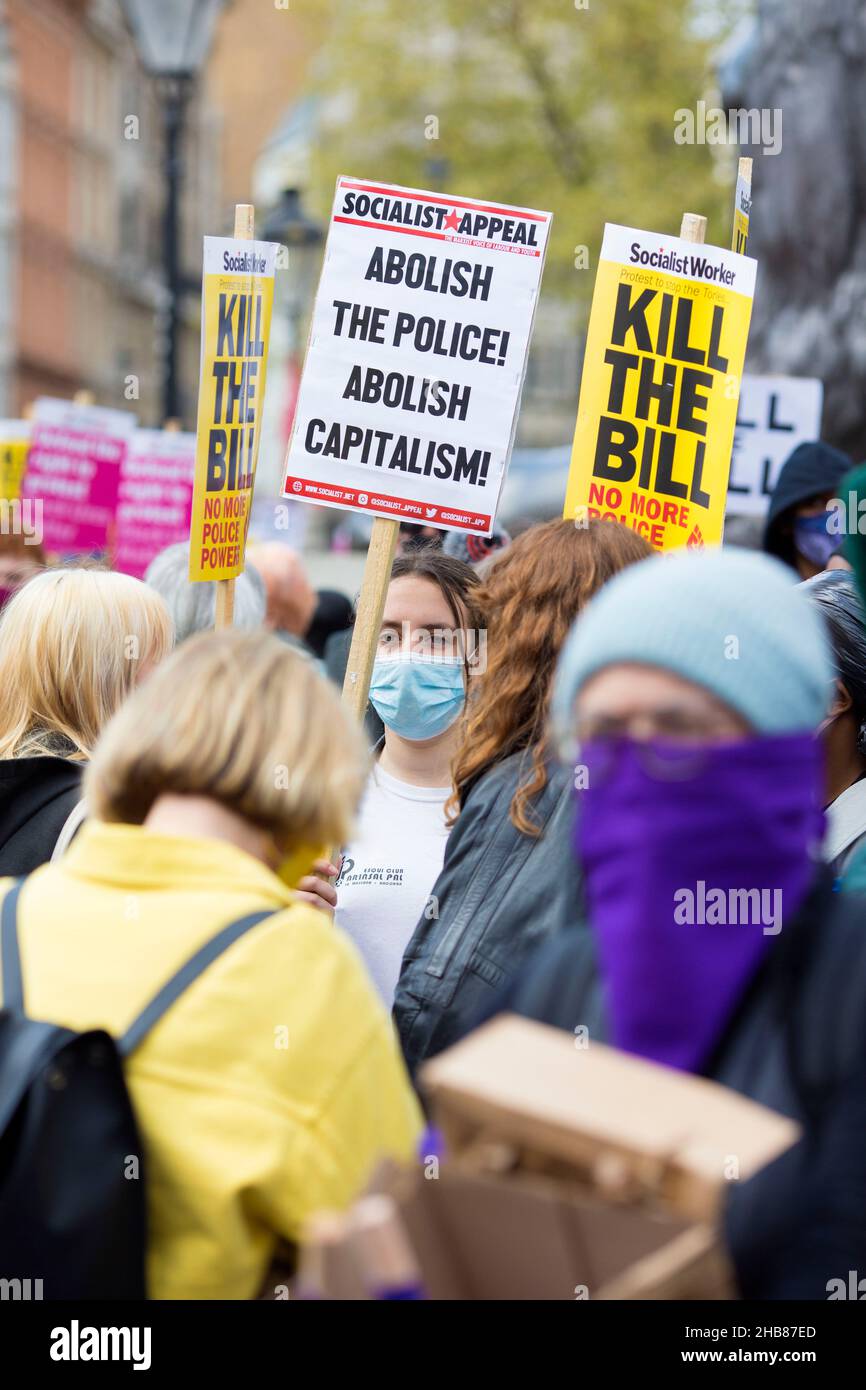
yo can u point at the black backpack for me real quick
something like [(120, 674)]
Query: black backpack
[(72, 1193)]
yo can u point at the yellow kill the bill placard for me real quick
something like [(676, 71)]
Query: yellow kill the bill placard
[(661, 380), (237, 298)]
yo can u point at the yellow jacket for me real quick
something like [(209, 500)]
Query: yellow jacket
[(267, 1091)]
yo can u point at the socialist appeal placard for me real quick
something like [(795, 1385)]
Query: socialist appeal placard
[(661, 379), (417, 353), (237, 299)]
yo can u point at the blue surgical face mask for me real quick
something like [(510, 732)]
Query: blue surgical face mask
[(813, 540), (417, 696)]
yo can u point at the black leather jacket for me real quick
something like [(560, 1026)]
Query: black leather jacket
[(499, 894)]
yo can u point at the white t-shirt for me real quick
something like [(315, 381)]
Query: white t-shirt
[(389, 872)]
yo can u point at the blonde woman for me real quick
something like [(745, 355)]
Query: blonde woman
[(273, 1083), (73, 643)]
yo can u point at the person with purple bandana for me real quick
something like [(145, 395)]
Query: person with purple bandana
[(687, 701)]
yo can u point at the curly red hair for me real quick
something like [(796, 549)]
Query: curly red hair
[(529, 600)]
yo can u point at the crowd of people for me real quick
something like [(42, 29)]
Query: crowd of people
[(567, 734)]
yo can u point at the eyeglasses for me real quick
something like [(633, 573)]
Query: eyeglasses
[(677, 727), (661, 759)]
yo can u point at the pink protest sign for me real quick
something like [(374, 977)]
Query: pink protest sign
[(73, 469), (154, 498)]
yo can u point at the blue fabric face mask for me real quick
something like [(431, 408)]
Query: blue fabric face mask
[(416, 696), (813, 540)]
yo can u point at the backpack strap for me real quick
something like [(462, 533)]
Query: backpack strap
[(174, 988), (13, 984)]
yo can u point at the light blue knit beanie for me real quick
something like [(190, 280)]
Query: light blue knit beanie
[(732, 621)]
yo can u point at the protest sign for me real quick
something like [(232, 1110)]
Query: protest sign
[(14, 443), (417, 353), (742, 206), (661, 375), (73, 466), (154, 500), (775, 414), (237, 297)]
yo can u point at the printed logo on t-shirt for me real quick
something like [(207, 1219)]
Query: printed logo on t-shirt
[(373, 873)]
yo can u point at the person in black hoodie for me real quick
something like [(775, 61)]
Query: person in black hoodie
[(72, 644), (799, 528)]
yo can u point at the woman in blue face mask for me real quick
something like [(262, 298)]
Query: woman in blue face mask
[(428, 642)]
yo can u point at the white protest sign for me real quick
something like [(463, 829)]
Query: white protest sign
[(418, 343), (775, 414)]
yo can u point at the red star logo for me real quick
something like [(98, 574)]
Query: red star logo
[(452, 221)]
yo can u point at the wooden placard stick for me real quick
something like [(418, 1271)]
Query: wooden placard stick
[(694, 227), (368, 619), (245, 220)]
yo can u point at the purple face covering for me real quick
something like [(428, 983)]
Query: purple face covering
[(665, 835), (813, 540)]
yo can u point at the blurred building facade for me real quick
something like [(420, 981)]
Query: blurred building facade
[(81, 196), (261, 62)]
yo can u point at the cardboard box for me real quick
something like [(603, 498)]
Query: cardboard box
[(619, 1124), (478, 1236), (570, 1173)]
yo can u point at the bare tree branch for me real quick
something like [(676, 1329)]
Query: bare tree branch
[(564, 144)]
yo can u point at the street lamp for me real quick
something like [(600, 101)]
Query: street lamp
[(172, 38), (289, 224)]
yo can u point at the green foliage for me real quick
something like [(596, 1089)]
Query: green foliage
[(538, 102)]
